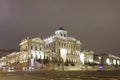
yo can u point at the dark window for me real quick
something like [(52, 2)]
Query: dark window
[(51, 44), (59, 43), (48, 45), (32, 47), (62, 44), (36, 48), (61, 34), (64, 35), (26, 48)]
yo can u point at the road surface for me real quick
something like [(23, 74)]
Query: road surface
[(60, 75)]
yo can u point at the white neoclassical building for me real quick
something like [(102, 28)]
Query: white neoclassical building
[(58, 51), (62, 48), (88, 56), (31, 50), (109, 61), (34, 48), (30, 56)]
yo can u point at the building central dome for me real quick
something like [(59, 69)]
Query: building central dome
[(61, 32), (61, 28)]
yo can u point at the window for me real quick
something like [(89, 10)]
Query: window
[(64, 35), (59, 43), (61, 34), (53, 50), (36, 48), (40, 49), (62, 44), (54, 43), (26, 48), (32, 47), (48, 45)]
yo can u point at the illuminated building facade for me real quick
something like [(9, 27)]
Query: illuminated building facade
[(31, 51), (88, 56), (59, 51), (112, 60), (62, 49), (107, 60)]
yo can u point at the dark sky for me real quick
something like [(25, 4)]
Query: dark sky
[(96, 23)]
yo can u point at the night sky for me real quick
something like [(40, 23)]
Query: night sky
[(96, 23)]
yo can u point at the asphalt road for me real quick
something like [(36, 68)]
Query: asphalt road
[(60, 75)]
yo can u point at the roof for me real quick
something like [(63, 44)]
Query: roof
[(37, 39), (61, 28)]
